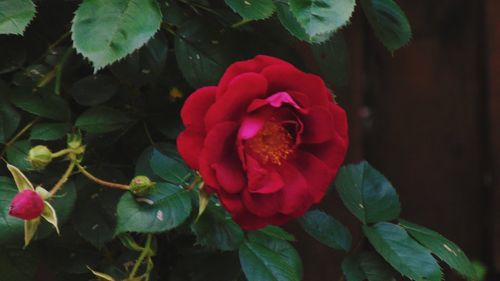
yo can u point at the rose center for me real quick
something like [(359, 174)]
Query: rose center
[(273, 143)]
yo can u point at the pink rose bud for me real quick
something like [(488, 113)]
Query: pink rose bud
[(26, 205)]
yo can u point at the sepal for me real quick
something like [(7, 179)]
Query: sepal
[(21, 180), (49, 214)]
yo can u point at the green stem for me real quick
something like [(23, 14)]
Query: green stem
[(18, 135), (145, 253), (62, 152), (58, 69), (100, 181), (240, 23), (63, 179)]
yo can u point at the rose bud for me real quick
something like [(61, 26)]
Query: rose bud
[(268, 140), (141, 185), (26, 205), (40, 156)]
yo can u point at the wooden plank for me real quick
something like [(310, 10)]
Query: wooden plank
[(425, 102), (492, 9)]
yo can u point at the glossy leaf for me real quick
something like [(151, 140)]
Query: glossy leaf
[(165, 208), (101, 120), (367, 193), (264, 259), (277, 232), (290, 23), (252, 9), (129, 24), (352, 269), (322, 16), (9, 118), (446, 250), (15, 15), (326, 230), (45, 104), (216, 229), (388, 21), (374, 267), (168, 168), (11, 229), (17, 155), (49, 131), (402, 252), (93, 90)]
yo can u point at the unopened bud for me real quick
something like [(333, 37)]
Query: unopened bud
[(40, 156), (26, 205), (141, 185)]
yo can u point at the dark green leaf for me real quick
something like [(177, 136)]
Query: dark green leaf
[(322, 16), (327, 230), (264, 259), (201, 55), (100, 120), (252, 9), (388, 21), (291, 24), (18, 264), (277, 232), (93, 90), (446, 250), (165, 208), (45, 104), (49, 131), (402, 252), (17, 155), (12, 54), (332, 58), (117, 28), (15, 15), (144, 65), (9, 118), (375, 268), (367, 193), (168, 168), (11, 229), (216, 229), (352, 269)]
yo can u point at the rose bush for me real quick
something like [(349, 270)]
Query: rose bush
[(268, 139)]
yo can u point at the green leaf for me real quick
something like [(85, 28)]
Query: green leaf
[(367, 193), (101, 120), (117, 28), (45, 104), (201, 55), (9, 118), (17, 155), (15, 15), (326, 229), (446, 250), (252, 9), (374, 267), (11, 229), (388, 22), (352, 269), (168, 168), (144, 65), (17, 264), (165, 208), (93, 90), (332, 58), (216, 229), (291, 24), (277, 232), (264, 259), (322, 16), (402, 252), (49, 131)]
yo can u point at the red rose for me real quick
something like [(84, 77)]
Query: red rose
[(268, 140), (26, 205)]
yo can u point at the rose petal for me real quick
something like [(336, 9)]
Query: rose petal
[(253, 65), (318, 125), (189, 145), (285, 78), (234, 205), (262, 205), (196, 106), (332, 153), (240, 92), (250, 126), (294, 196), (262, 180), (317, 174)]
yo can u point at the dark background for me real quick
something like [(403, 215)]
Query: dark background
[(428, 117)]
